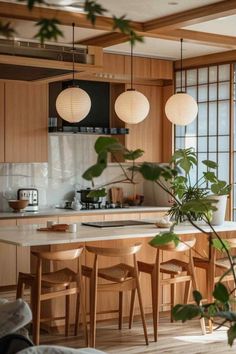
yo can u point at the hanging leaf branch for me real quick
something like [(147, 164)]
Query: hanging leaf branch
[(49, 28), (6, 30)]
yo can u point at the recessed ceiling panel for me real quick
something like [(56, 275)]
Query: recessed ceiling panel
[(222, 25)]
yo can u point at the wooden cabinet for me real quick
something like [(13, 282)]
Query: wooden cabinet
[(161, 69), (113, 64), (26, 120), (147, 135), (13, 259), (141, 67)]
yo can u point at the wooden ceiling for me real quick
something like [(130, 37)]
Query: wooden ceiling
[(168, 27)]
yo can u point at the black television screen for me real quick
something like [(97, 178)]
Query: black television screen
[(99, 93)]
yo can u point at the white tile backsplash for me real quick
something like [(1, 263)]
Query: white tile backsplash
[(69, 156)]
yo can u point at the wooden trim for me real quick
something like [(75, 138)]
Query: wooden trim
[(205, 60), (193, 16), (21, 12), (105, 40)]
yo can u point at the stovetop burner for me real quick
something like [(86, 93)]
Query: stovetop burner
[(99, 205)]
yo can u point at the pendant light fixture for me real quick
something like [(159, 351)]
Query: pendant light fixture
[(181, 108), (132, 106), (73, 104)]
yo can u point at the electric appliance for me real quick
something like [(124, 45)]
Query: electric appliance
[(119, 223), (33, 197)]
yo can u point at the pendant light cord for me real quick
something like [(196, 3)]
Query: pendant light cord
[(131, 65), (181, 64), (73, 53)]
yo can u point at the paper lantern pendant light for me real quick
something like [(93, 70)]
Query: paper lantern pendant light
[(132, 106), (181, 108), (73, 104)]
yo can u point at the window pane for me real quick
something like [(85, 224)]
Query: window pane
[(223, 120), (202, 93), (191, 128), (212, 118), (202, 144), (223, 91), (213, 74), (223, 166), (201, 167), (212, 92), (212, 144), (192, 91), (202, 119), (223, 143), (179, 143), (179, 130), (191, 141), (224, 72), (202, 75), (178, 79), (191, 77)]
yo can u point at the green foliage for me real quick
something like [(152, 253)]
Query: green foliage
[(220, 188), (123, 24), (97, 193), (231, 334), (197, 297), (163, 238), (48, 30), (6, 30), (185, 159), (32, 3), (210, 164), (133, 155), (186, 312), (108, 144), (93, 8), (220, 293), (220, 245)]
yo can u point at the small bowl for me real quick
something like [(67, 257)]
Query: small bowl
[(163, 225), (18, 205)]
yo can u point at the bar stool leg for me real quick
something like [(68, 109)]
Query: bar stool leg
[(67, 317), (131, 314)]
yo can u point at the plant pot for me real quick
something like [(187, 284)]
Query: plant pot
[(218, 216)]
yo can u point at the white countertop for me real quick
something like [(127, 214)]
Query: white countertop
[(28, 235), (70, 212)]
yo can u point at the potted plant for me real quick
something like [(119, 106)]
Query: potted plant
[(190, 202)]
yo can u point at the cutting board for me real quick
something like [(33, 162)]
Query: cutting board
[(55, 228), (116, 195)]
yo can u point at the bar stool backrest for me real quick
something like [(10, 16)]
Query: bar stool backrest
[(182, 246), (114, 252), (59, 255)]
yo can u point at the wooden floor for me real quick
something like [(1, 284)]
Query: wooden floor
[(173, 338)]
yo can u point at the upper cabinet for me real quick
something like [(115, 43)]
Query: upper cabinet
[(141, 67), (116, 66), (162, 69), (26, 119)]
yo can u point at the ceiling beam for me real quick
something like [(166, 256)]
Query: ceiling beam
[(21, 12), (215, 58), (193, 16), (105, 40)]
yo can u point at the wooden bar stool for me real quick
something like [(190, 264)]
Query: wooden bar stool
[(54, 284), (179, 271), (121, 277)]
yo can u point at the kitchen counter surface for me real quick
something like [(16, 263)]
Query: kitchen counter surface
[(70, 212), (28, 235)]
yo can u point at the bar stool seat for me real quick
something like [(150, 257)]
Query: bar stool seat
[(118, 278), (63, 282)]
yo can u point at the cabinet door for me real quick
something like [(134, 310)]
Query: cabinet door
[(113, 64), (147, 135), (26, 115), (142, 67), (8, 259), (2, 121), (161, 69)]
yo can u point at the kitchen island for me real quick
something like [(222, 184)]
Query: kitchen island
[(26, 236)]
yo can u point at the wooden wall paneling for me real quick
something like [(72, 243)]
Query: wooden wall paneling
[(161, 69), (167, 128), (147, 135), (26, 118), (152, 215), (113, 64), (2, 121), (141, 68)]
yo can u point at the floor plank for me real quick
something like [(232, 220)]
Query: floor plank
[(173, 338)]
